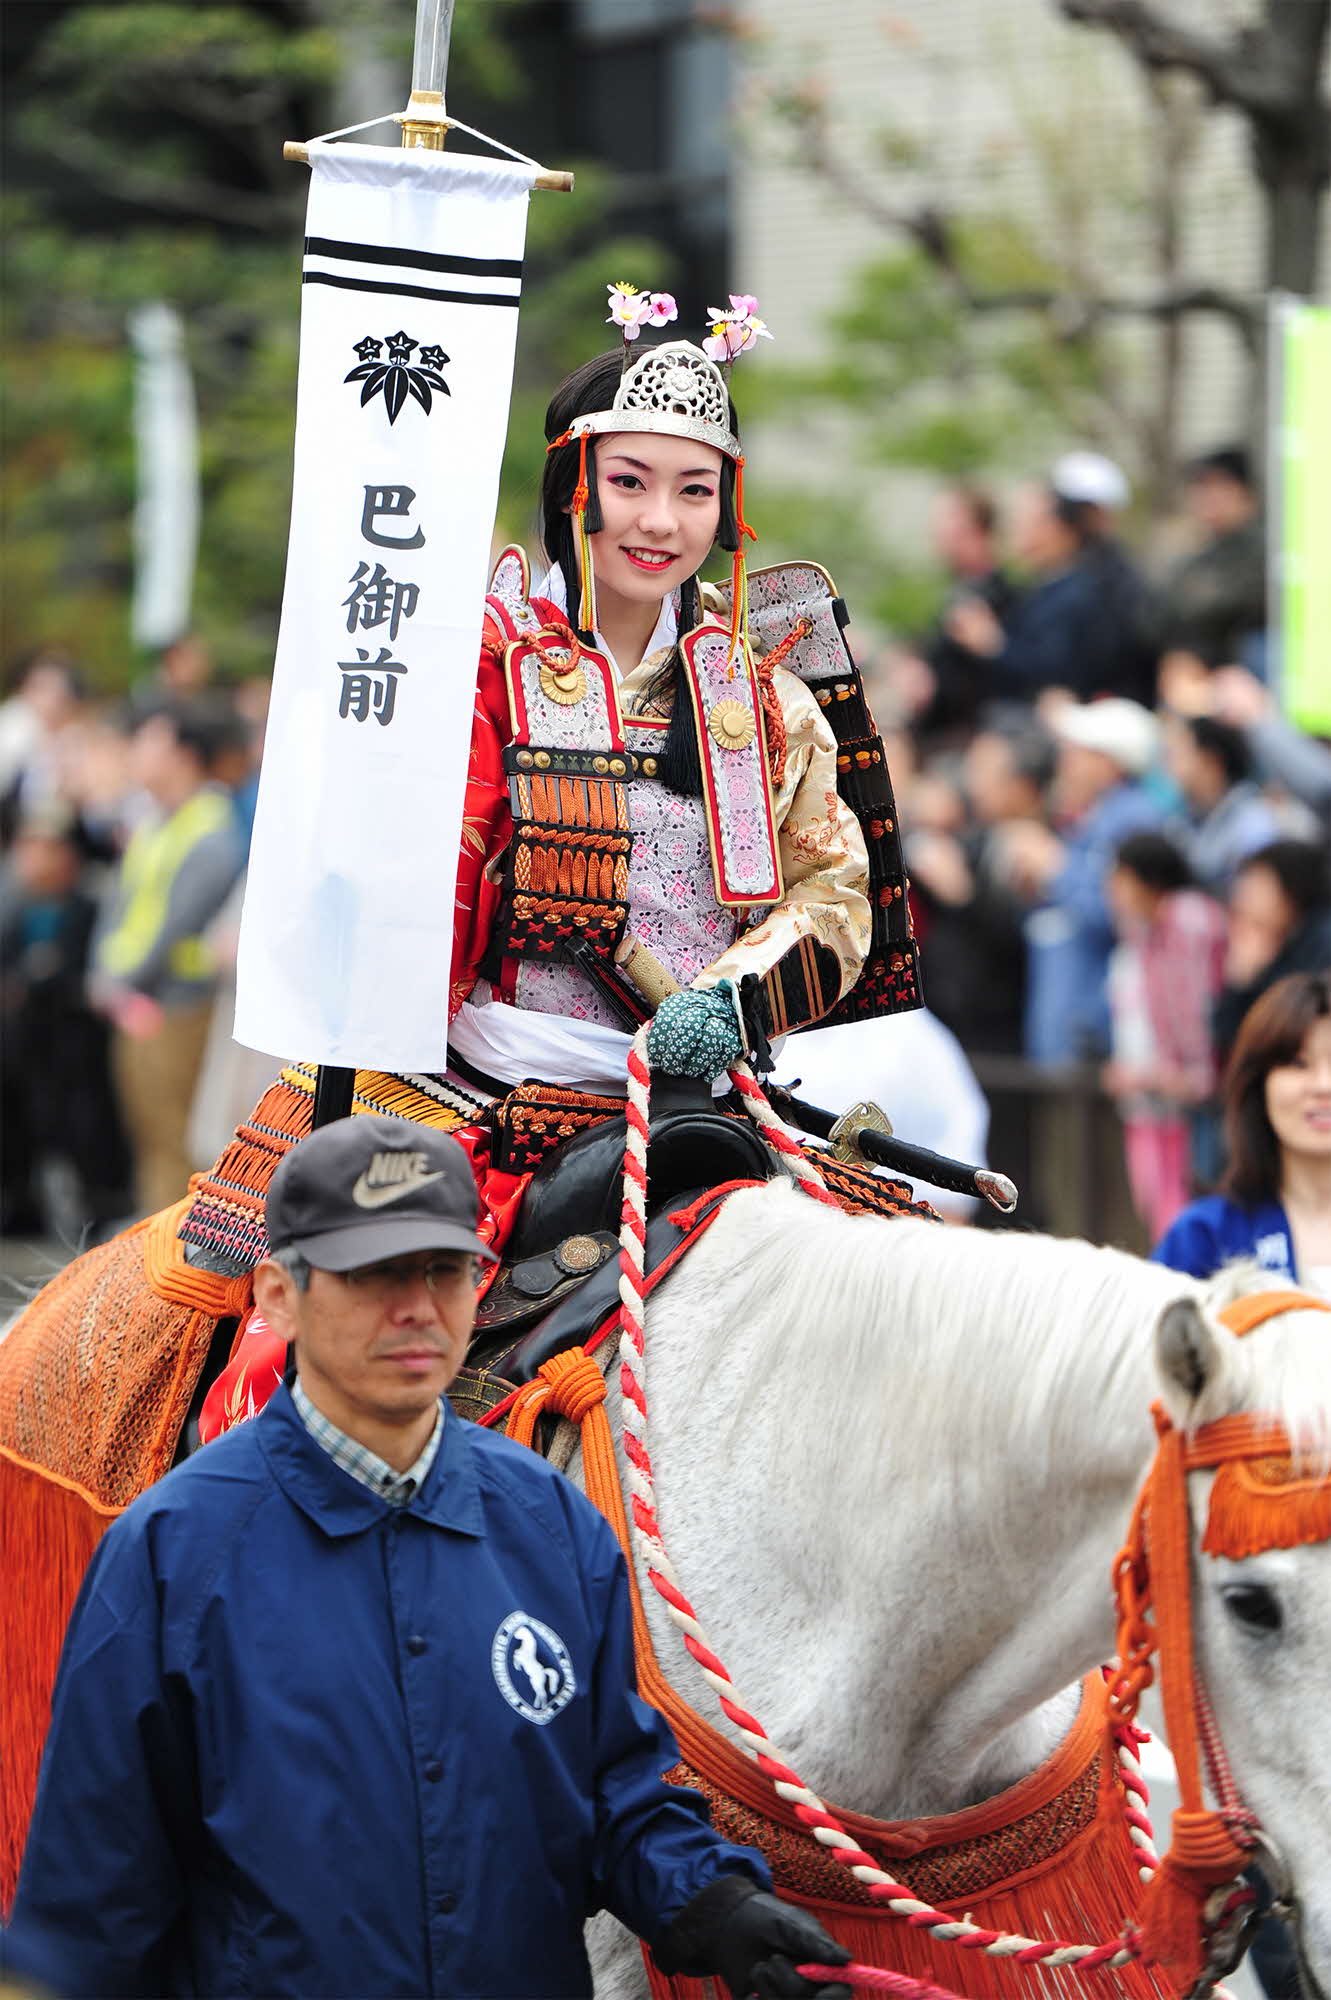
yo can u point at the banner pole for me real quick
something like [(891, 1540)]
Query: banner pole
[(332, 1094), (434, 32), (429, 71)]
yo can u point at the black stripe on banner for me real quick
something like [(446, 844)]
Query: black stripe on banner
[(413, 291), (421, 260)]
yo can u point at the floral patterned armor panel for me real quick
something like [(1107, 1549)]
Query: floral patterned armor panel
[(796, 617)]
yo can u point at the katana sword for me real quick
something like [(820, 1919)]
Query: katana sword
[(886, 1150)]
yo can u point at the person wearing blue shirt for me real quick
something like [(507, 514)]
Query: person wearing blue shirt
[(346, 1702), (1105, 749), (1275, 1201), (1275, 1207)]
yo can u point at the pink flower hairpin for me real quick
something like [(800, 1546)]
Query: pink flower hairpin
[(733, 332), (633, 310)]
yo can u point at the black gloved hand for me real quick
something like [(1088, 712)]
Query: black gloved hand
[(753, 1941)]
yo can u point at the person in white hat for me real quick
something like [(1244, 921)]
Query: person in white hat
[(1092, 480), (1105, 750)]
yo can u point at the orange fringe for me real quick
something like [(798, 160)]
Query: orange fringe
[(1259, 1500), (1261, 1504), (49, 1528), (1082, 1894), (82, 1436), (1202, 1856)]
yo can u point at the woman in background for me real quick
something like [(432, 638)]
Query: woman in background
[(1276, 1207), (1275, 1203)]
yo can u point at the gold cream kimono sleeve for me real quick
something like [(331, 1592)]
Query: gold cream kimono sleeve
[(810, 946)]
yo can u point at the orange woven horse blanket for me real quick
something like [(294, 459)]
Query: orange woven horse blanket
[(1049, 1857)]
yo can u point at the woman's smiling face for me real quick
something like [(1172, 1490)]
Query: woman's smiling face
[(660, 506), (1298, 1096)]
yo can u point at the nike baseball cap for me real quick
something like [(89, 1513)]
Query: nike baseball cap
[(362, 1189)]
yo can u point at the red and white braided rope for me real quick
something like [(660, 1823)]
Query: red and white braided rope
[(786, 1782), (775, 1135), (1136, 1797)]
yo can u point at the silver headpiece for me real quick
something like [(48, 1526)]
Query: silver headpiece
[(674, 390)]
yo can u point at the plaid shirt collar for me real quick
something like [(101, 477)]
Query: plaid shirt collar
[(397, 1488)]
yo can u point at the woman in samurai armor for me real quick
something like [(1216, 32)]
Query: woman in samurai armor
[(652, 775), (670, 786)]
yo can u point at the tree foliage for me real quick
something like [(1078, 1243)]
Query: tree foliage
[(1029, 287), (148, 166)]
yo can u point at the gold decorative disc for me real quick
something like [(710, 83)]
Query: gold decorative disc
[(579, 1253), (566, 684), (731, 724)]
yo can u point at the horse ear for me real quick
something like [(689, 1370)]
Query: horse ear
[(1188, 1357)]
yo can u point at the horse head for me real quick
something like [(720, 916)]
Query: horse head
[(1245, 1379)]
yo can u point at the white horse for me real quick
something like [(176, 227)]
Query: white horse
[(894, 1464)]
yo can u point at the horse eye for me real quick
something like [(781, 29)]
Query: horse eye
[(1253, 1606)]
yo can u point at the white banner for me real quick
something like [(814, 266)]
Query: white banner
[(413, 267)]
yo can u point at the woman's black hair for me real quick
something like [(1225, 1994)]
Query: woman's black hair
[(1274, 1030), (1301, 867), (592, 387), (1156, 861), (1221, 740)]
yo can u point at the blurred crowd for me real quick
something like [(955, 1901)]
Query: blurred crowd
[(1115, 840), (124, 832)]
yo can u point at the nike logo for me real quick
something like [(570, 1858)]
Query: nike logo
[(390, 1177)]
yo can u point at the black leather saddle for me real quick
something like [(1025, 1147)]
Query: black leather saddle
[(561, 1268), (691, 1146), (580, 1312)]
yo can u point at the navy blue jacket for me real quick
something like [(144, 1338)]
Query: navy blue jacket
[(1216, 1229), (306, 1744), (1083, 628)]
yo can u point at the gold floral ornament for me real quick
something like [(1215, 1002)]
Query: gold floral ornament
[(731, 725), (562, 679)]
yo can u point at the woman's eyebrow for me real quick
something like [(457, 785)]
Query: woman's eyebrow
[(694, 472)]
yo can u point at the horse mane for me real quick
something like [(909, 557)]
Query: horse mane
[(1283, 1367), (1076, 1321), (1002, 1344)]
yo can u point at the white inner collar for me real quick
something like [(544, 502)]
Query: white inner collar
[(664, 632)]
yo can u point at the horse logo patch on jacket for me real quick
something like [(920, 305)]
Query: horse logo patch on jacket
[(532, 1668)]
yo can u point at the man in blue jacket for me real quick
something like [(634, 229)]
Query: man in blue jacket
[(345, 1705)]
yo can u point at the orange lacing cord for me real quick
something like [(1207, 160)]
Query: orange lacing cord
[(578, 509), (739, 576)]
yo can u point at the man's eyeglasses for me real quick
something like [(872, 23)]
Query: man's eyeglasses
[(390, 1281)]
